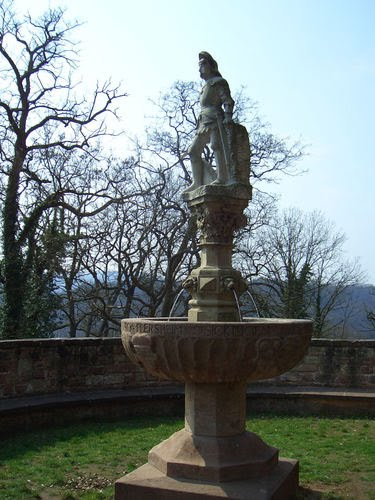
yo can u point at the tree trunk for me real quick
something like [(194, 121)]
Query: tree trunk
[(14, 278)]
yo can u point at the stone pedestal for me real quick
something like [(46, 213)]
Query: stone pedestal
[(218, 210), (214, 446), (214, 456)]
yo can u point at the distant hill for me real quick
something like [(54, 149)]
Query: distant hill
[(358, 301), (349, 316)]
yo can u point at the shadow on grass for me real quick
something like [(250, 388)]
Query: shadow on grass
[(309, 494), (35, 440)]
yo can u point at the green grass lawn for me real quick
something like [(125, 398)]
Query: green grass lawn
[(337, 456)]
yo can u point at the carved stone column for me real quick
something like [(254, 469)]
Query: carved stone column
[(213, 285)]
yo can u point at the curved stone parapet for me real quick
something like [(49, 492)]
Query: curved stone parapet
[(214, 352)]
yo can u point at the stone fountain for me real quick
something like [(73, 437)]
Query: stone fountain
[(215, 352)]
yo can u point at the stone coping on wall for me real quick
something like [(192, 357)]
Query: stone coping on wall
[(343, 342), (10, 344), (33, 412), (90, 397), (317, 342), (151, 393)]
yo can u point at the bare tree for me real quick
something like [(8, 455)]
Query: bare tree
[(301, 271), (148, 250), (87, 220), (370, 316), (128, 239), (368, 313), (39, 115)]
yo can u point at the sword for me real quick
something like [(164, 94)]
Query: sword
[(223, 138)]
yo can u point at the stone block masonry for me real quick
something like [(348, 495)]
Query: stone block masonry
[(50, 366), (334, 363)]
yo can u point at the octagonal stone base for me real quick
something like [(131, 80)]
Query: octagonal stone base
[(148, 483), (202, 458)]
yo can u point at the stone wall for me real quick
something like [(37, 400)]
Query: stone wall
[(334, 363), (48, 366)]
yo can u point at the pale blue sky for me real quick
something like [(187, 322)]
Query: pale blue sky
[(310, 64)]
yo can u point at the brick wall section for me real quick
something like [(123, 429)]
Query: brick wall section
[(47, 366), (334, 363)]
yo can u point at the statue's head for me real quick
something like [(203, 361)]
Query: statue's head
[(207, 66)]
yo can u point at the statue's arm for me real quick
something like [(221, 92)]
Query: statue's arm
[(226, 101)]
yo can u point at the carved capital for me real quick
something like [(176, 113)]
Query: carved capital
[(218, 225)]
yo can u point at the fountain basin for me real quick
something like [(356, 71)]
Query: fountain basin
[(216, 352)]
